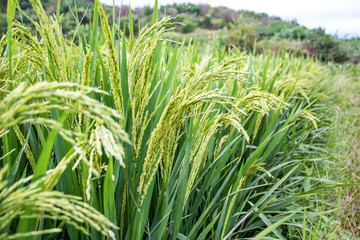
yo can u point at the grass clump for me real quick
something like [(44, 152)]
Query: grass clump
[(345, 135)]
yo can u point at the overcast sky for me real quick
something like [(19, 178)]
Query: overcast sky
[(336, 16)]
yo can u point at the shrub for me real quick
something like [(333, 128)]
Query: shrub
[(206, 22), (324, 46), (274, 28), (299, 33), (190, 24), (242, 35)]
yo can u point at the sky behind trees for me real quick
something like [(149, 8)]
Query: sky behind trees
[(337, 17)]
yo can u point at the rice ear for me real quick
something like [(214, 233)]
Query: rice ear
[(114, 69)]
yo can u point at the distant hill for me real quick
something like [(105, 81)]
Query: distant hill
[(242, 29), (50, 6), (238, 28)]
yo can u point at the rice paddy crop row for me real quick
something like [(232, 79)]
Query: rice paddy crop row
[(149, 138)]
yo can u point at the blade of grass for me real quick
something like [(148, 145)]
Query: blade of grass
[(268, 230)]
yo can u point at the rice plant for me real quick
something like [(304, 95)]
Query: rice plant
[(149, 138)]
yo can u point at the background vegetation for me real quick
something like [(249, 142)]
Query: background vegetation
[(239, 28)]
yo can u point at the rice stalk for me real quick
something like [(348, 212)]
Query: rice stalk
[(55, 205), (161, 146), (24, 102)]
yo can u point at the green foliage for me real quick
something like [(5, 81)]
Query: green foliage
[(189, 8), (325, 47), (242, 35), (352, 47), (252, 14), (274, 28), (147, 11), (196, 17), (344, 88), (3, 25), (299, 33), (190, 24), (206, 23), (25, 4), (3, 4)]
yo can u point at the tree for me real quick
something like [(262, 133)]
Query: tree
[(206, 22), (324, 46)]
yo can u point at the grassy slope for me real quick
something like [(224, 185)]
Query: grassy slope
[(346, 133)]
